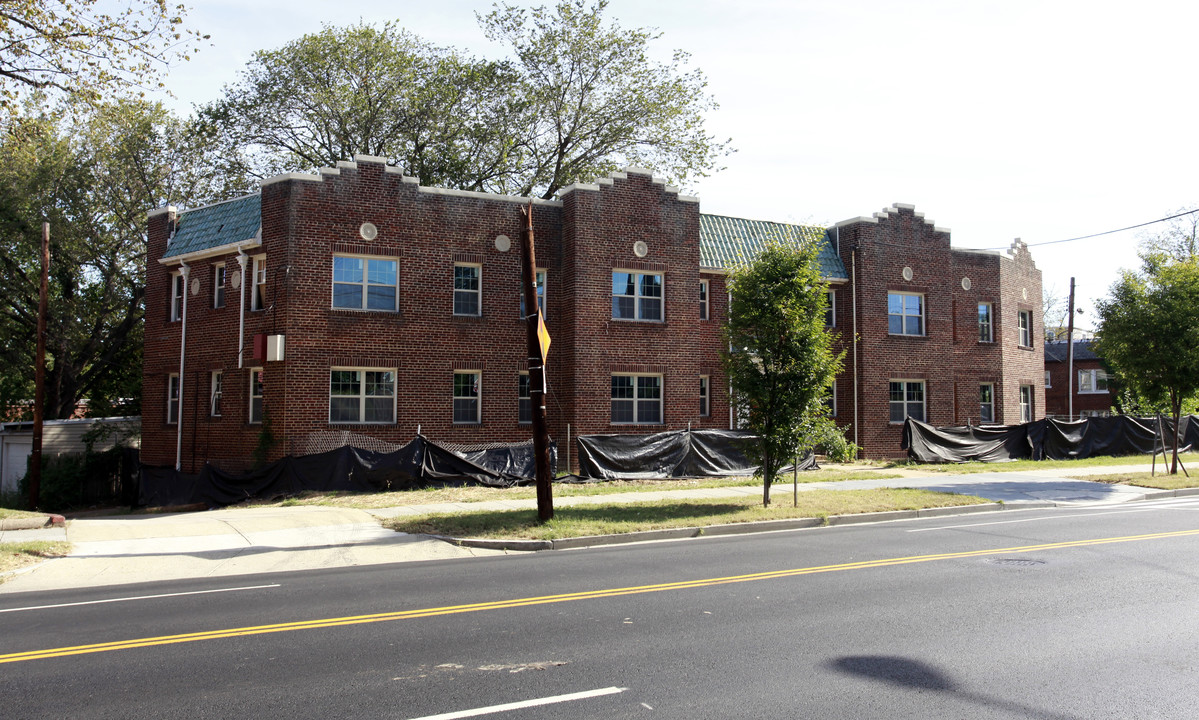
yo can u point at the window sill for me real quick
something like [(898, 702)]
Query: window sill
[(636, 424), (1089, 392), (363, 310), (905, 335), (360, 424), (635, 320)]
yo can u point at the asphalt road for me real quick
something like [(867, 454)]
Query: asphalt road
[(1062, 613)]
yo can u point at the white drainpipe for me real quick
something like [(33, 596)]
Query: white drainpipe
[(242, 259), (184, 271)]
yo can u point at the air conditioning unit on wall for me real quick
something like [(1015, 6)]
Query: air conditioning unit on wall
[(268, 347)]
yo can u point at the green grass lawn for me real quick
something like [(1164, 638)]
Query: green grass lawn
[(618, 518), (1159, 480), (14, 556), (1021, 465)]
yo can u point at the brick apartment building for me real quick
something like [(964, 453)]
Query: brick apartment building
[(356, 306), (1089, 392)]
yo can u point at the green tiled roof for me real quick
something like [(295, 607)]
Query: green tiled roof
[(212, 226), (726, 241)]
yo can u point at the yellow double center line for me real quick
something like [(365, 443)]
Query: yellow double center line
[(549, 599)]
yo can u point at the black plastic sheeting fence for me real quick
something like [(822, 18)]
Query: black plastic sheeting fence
[(420, 463), (671, 454), (1047, 439)]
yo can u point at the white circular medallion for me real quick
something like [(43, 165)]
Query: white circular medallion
[(195, 286), (368, 231), (907, 274), (235, 279), (965, 283), (503, 243), (640, 249)]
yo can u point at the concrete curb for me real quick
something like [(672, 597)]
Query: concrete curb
[(728, 529), (32, 523)]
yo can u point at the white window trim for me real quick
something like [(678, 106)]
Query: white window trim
[(831, 309), (1027, 411), (250, 419), (173, 388), (216, 392), (637, 401), (365, 284), (541, 276), (705, 295), (526, 398), (705, 395), (923, 399), (1024, 329), (981, 403), (258, 286), (1095, 375), (362, 396), (219, 280), (478, 397), (904, 316), (177, 291), (638, 297), (478, 291), (1048, 379), (989, 325), (832, 398)]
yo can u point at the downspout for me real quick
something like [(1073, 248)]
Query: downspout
[(853, 264), (184, 272), (242, 259)]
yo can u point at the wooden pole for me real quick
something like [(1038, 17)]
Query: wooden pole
[(39, 376), (541, 435), (1070, 354)]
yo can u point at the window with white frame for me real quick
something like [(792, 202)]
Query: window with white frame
[(905, 313), (173, 399), (258, 291), (256, 385), (705, 385), (830, 309), (218, 286), (468, 289), (1024, 323), (832, 400), (215, 393), (907, 400), (636, 296), (540, 294), (986, 403), (176, 296), (1048, 379), (636, 399), (524, 400), (704, 286), (362, 395), (986, 325), (466, 396), (1026, 403), (1092, 382), (365, 283)]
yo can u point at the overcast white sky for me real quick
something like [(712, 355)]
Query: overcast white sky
[(1043, 120)]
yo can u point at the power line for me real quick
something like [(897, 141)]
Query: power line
[(1109, 232)]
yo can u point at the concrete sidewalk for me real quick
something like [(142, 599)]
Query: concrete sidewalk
[(126, 549)]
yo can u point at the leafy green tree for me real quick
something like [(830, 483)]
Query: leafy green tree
[(1149, 335), (577, 99), (595, 101), (92, 173), (87, 48), (362, 90), (781, 364)]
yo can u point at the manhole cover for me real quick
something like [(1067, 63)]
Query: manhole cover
[(1016, 562)]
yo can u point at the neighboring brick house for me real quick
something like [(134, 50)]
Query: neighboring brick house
[(371, 307), (1091, 397)]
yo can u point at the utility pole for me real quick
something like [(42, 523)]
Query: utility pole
[(39, 376), (537, 352), (1070, 354)]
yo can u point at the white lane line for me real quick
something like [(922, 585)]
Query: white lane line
[(1140, 509), (139, 597), (524, 704)]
